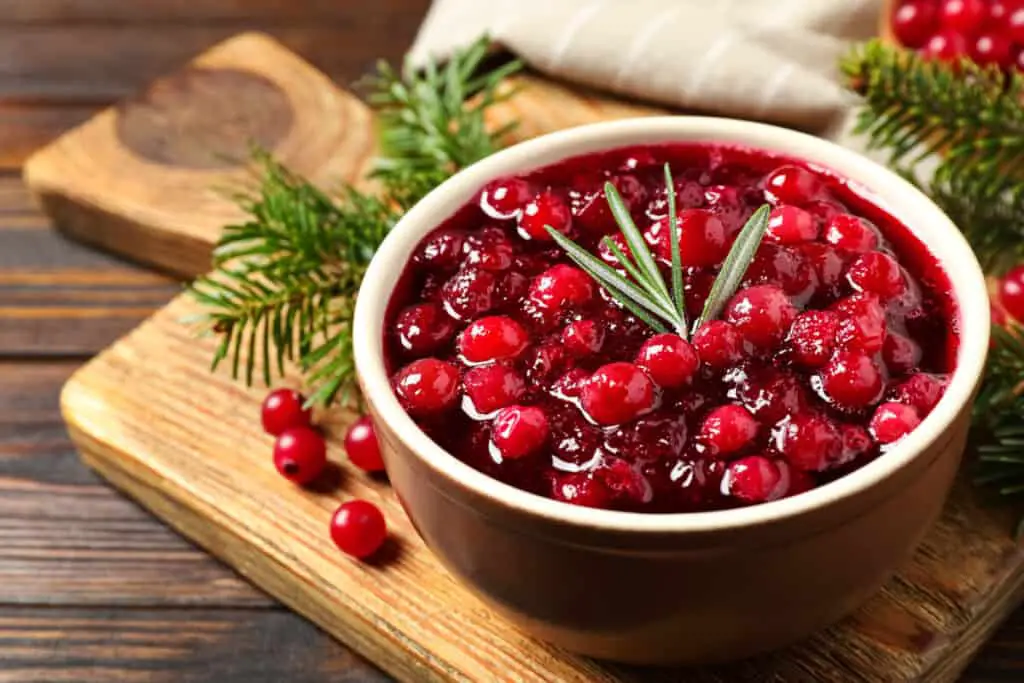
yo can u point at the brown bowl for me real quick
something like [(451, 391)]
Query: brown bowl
[(676, 588)]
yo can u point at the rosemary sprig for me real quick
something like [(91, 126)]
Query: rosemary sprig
[(646, 295)]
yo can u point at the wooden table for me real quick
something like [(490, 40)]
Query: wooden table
[(92, 588)]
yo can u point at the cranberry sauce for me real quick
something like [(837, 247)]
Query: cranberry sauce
[(837, 344)]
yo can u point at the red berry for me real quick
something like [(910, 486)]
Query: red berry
[(762, 314), (1011, 293), (852, 380), (913, 22), (583, 337), (441, 249), (547, 208), (570, 384), (901, 354), (877, 273), (946, 46), (754, 479), (768, 393), (782, 266), (861, 323), (505, 198), (490, 249), (543, 362), (362, 446), (809, 442), (702, 239), (1015, 27), (469, 293), (922, 391), (622, 481), (519, 431), (999, 12), (427, 385), (562, 286), (719, 345), (851, 233), (825, 262), (812, 338), (300, 455), (590, 209), (962, 16), (491, 387), (728, 429), (581, 488), (422, 328), (791, 225), (792, 185), (283, 409), (493, 338), (358, 528), (617, 393), (892, 421), (726, 203), (856, 442), (993, 48), (668, 359)]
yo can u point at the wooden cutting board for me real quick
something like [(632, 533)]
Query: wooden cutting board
[(148, 416)]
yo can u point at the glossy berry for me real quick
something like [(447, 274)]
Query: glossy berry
[(358, 528), (727, 429), (992, 48), (441, 250), (810, 442), (469, 293), (754, 479), (901, 354), (546, 209), (892, 421), (719, 345), (1015, 27), (668, 359), (581, 488), (283, 409), (962, 16), (490, 249), (570, 384), (851, 233), (761, 314), (827, 264), (505, 198), (422, 328), (861, 323), (769, 394), (702, 238), (562, 286), (812, 338), (856, 441), (877, 273), (300, 455), (914, 22), (519, 431), (583, 337), (791, 225), (1011, 293), (362, 447), (792, 185), (496, 337), (617, 393), (852, 380), (492, 387), (427, 386), (921, 390), (945, 46)]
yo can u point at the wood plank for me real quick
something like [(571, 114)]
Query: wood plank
[(26, 126)]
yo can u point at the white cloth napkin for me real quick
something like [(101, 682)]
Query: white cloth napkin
[(771, 60)]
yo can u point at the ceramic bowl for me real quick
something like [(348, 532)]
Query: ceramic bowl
[(676, 588)]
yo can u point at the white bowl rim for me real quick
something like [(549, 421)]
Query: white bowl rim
[(877, 183)]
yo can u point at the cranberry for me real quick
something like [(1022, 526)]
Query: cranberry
[(358, 528), (362, 447), (877, 273), (668, 359), (583, 337), (519, 431), (427, 385), (561, 287), (543, 362), (1011, 293), (852, 380), (689, 195), (283, 409), (812, 338), (945, 46), (962, 16), (914, 22), (547, 208), (892, 421), (581, 488), (570, 384), (590, 209), (861, 323), (993, 48), (491, 387), (809, 442), (851, 233), (791, 225), (728, 429), (512, 288), (469, 293), (617, 393), (999, 12), (300, 455), (728, 205), (782, 266), (826, 263), (623, 481), (422, 328), (762, 314), (922, 391), (505, 198), (754, 479), (494, 338), (719, 344), (490, 249), (1015, 27), (769, 393), (441, 250), (702, 239), (658, 436), (901, 354), (792, 185)]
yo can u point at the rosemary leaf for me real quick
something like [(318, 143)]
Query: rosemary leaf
[(677, 258), (637, 246)]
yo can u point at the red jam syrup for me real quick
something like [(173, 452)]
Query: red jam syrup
[(839, 341)]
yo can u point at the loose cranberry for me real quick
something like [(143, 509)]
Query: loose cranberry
[(719, 345), (617, 393), (792, 185), (702, 239), (283, 409), (300, 455), (545, 209), (1011, 293), (362, 447), (505, 198), (581, 488), (812, 338), (791, 225), (993, 48), (945, 46), (761, 314), (754, 479), (962, 16), (561, 287), (469, 293), (877, 273), (809, 442), (426, 386), (922, 391), (490, 249), (493, 338), (728, 429), (668, 359), (1015, 27), (861, 323), (851, 233), (999, 12), (519, 431), (852, 380), (583, 337), (914, 22), (358, 528), (892, 421), (901, 354), (422, 328), (491, 387)]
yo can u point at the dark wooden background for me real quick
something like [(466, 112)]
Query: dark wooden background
[(92, 588)]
